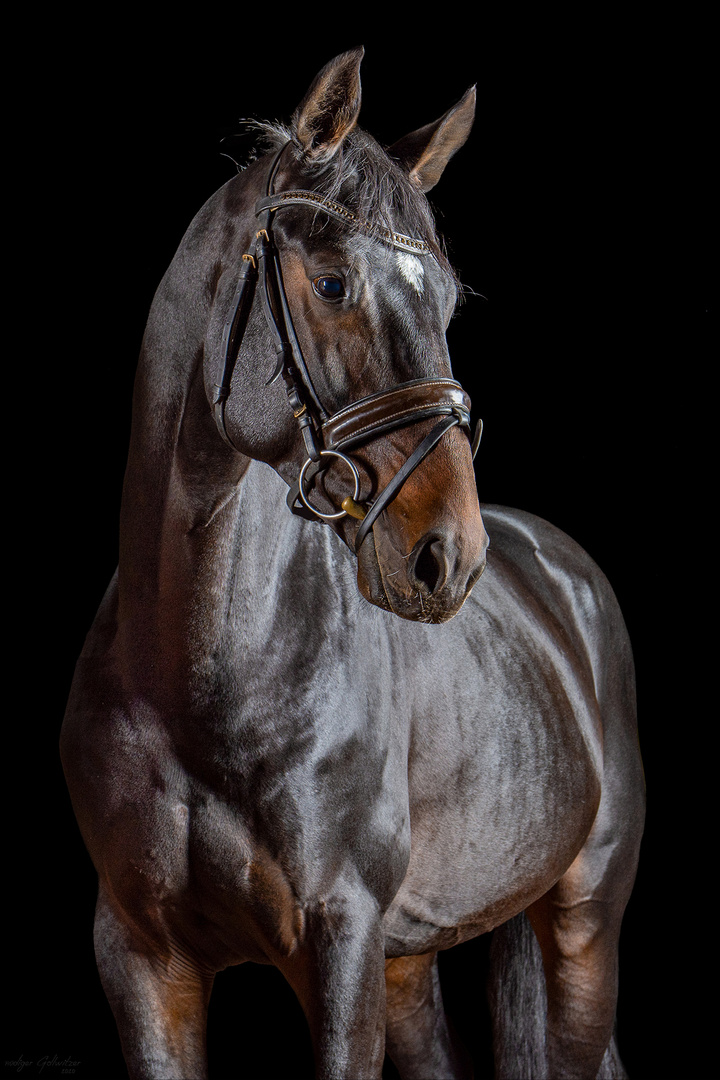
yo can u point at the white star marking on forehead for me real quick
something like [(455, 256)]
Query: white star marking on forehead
[(412, 270)]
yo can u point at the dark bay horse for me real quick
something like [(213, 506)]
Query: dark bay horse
[(322, 748)]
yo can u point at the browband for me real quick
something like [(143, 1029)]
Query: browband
[(337, 210)]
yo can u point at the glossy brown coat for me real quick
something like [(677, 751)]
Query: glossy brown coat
[(267, 767)]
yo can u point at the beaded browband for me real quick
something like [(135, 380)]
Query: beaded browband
[(337, 210)]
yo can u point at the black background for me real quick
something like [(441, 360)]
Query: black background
[(579, 211)]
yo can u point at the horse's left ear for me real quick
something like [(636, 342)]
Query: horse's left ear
[(330, 109), (425, 152)]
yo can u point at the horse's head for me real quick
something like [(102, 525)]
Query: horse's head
[(330, 361)]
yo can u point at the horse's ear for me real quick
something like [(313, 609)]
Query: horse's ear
[(330, 109), (425, 152)]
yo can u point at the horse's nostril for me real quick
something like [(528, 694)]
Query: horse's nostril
[(430, 564)]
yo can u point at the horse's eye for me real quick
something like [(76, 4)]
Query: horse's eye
[(329, 287)]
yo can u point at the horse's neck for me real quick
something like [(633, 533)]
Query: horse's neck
[(209, 550), (202, 531)]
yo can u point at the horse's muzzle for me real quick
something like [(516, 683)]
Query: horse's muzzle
[(432, 581)]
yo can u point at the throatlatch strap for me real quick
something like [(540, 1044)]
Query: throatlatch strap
[(233, 335)]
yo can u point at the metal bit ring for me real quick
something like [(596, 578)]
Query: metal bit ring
[(356, 476)]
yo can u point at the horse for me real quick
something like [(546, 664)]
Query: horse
[(340, 750)]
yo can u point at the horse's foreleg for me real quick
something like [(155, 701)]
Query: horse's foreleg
[(159, 1002), (418, 1039), (338, 976)]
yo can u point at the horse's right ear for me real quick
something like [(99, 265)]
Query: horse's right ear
[(330, 109)]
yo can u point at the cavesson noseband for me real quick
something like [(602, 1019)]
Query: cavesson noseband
[(328, 436)]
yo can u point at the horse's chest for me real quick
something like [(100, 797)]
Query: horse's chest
[(277, 833)]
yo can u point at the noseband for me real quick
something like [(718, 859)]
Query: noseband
[(331, 436)]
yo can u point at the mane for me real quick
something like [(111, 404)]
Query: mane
[(363, 177)]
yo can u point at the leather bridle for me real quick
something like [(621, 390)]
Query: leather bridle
[(331, 436)]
